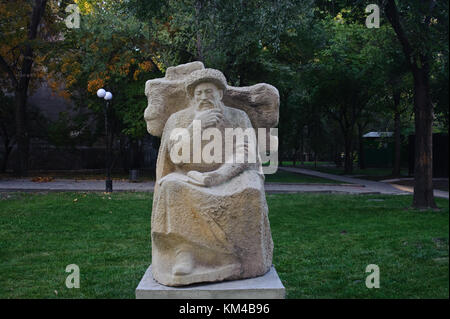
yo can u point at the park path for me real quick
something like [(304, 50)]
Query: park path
[(65, 185), (376, 187), (356, 186), (436, 192)]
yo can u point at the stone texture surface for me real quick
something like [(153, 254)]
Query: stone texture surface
[(268, 286), (167, 95), (209, 220)]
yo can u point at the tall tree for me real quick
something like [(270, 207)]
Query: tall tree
[(17, 62), (421, 27)]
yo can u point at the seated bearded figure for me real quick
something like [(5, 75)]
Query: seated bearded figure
[(209, 218)]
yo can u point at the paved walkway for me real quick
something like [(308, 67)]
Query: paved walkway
[(384, 187), (72, 185), (356, 186), (99, 185), (436, 192), (365, 186)]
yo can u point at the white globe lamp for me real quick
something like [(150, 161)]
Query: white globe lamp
[(101, 93), (108, 96)]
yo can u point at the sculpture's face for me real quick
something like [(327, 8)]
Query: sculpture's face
[(207, 96)]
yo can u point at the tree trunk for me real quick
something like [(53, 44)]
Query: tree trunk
[(7, 145), (423, 163), (397, 137), (8, 149), (21, 166), (21, 91), (423, 110), (302, 161), (348, 161), (361, 162)]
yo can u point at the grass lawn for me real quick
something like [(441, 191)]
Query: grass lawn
[(323, 244), (290, 177)]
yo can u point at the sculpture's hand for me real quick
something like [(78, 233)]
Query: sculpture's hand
[(196, 178), (209, 118), (214, 178), (206, 179)]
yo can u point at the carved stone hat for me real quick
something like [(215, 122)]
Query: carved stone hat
[(205, 75)]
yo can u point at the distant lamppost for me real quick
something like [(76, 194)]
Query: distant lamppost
[(101, 93)]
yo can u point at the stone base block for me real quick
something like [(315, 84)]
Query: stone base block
[(268, 286)]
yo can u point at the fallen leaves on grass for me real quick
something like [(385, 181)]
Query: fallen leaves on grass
[(40, 179)]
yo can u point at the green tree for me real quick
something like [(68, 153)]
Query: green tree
[(341, 80), (113, 50), (20, 35), (422, 30), (390, 83)]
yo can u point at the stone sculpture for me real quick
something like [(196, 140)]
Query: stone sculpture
[(209, 219)]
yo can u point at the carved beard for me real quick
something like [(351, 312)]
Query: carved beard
[(208, 105)]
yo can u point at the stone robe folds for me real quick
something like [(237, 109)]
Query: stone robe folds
[(225, 227)]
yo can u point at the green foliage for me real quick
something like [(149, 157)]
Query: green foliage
[(426, 25), (110, 50), (130, 108), (439, 90), (333, 74), (71, 130), (228, 35)]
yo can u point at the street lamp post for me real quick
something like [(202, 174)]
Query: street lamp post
[(101, 93)]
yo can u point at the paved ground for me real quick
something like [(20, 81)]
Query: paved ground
[(436, 192), (71, 185), (385, 187), (357, 186)]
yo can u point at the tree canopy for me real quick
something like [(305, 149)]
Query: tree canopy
[(336, 77)]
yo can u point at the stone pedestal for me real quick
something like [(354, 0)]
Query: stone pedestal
[(268, 286)]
